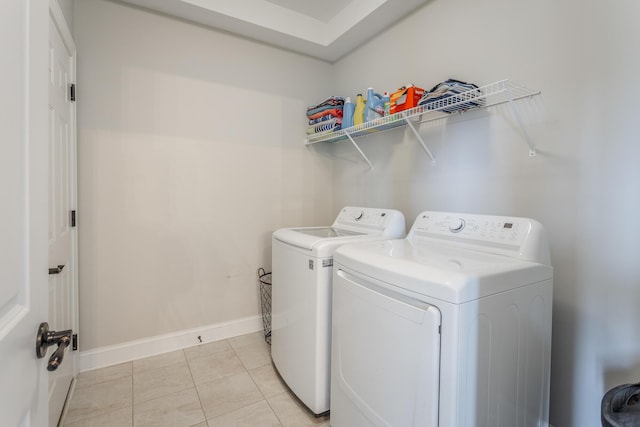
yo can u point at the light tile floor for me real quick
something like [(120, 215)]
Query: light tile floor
[(222, 384)]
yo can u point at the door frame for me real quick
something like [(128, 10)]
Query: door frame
[(57, 17)]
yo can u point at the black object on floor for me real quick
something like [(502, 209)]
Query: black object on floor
[(621, 406)]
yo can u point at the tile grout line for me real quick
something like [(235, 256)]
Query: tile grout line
[(237, 352), (195, 387), (274, 411), (265, 398), (91, 385), (254, 383), (261, 393), (246, 371), (240, 359), (186, 363), (132, 397)]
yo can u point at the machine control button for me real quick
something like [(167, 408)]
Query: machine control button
[(359, 217), (456, 225)]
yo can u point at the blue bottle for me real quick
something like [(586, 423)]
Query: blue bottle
[(347, 113), (374, 109)]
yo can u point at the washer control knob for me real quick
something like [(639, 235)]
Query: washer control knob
[(359, 217), (456, 225)]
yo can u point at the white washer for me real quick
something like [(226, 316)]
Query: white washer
[(301, 295), (449, 327)]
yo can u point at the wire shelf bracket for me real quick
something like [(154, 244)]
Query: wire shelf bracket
[(366, 159), (516, 114), (420, 140)]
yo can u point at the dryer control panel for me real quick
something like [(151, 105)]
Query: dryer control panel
[(514, 236), (500, 230)]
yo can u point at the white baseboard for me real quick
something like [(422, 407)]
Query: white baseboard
[(125, 352)]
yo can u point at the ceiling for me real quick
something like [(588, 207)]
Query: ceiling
[(324, 29)]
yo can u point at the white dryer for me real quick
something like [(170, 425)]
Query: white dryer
[(449, 327), (302, 266)]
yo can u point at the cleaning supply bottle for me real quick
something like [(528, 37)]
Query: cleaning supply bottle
[(375, 106), (347, 113), (358, 114), (387, 103)]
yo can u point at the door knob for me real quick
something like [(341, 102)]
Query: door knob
[(45, 338), (56, 270)]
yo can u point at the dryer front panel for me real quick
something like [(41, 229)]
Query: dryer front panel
[(385, 356)]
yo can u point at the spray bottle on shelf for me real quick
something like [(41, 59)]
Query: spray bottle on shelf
[(387, 103), (358, 115), (347, 113)]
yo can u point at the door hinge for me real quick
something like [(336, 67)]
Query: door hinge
[(72, 92), (74, 342), (73, 218)]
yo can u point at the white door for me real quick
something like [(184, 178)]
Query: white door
[(23, 210), (62, 202)]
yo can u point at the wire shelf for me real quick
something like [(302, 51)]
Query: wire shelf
[(485, 96)]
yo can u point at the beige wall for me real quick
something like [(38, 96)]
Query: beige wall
[(190, 156), (581, 185)]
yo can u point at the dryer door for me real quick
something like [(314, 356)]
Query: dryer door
[(385, 356)]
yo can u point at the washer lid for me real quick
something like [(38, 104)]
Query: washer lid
[(321, 241), (445, 272), (353, 224), (326, 232)]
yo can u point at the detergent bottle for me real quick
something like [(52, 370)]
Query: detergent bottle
[(387, 103), (347, 113), (358, 114), (375, 106)]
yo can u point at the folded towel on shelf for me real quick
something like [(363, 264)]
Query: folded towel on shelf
[(452, 95), (331, 101), (322, 119), (336, 112), (326, 126), (326, 116)]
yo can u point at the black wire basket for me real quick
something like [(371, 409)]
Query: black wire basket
[(264, 280)]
